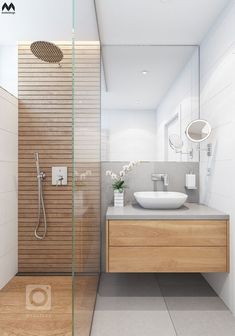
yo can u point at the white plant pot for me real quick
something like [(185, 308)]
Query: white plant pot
[(118, 198)]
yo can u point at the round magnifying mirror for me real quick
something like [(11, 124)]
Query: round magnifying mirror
[(198, 130), (176, 142)]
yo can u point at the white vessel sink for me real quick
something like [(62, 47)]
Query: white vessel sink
[(160, 199)]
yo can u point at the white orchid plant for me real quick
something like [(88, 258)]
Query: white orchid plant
[(119, 179)]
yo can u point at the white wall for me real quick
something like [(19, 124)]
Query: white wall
[(218, 107), (181, 98), (9, 68), (130, 135), (8, 186)]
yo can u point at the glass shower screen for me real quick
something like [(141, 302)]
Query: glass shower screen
[(86, 179)]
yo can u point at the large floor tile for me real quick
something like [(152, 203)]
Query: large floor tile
[(125, 284), (203, 323), (129, 292), (195, 308), (186, 281), (187, 292), (130, 305), (132, 323)]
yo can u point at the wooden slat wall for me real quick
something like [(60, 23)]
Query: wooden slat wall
[(45, 126)]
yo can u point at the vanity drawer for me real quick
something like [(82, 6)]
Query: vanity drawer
[(167, 233), (167, 259)]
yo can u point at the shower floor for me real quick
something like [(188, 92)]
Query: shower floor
[(42, 305)]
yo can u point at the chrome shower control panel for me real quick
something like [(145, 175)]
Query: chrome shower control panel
[(59, 176)]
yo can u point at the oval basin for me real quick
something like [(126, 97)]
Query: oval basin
[(160, 199)]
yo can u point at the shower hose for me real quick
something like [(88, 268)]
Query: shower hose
[(41, 204)]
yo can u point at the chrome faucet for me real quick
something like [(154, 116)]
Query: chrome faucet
[(161, 177)]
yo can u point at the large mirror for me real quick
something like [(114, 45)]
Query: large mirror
[(149, 94)]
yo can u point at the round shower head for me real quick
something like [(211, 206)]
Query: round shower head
[(47, 51)]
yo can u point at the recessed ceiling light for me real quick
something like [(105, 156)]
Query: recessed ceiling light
[(144, 72), (163, 1)]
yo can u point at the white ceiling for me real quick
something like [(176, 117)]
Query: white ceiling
[(156, 22), (48, 20), (121, 21), (128, 88)]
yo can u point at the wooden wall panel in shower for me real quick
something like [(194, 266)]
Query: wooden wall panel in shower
[(45, 126)]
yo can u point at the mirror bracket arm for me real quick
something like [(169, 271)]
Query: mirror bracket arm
[(208, 149), (190, 153)]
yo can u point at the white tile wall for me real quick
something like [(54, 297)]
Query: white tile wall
[(218, 107), (182, 96), (9, 67), (8, 186)]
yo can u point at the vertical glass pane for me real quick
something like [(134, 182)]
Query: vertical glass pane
[(86, 179), (36, 141)]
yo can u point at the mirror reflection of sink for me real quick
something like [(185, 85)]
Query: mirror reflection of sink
[(160, 199)]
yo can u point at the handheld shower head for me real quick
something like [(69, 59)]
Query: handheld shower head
[(41, 206), (36, 155)]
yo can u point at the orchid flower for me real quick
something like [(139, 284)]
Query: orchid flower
[(118, 183)]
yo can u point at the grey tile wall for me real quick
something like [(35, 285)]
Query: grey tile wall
[(140, 180)]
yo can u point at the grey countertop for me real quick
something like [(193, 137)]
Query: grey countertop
[(188, 211)]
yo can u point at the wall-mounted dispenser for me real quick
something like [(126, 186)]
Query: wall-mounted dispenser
[(190, 181), (59, 176)]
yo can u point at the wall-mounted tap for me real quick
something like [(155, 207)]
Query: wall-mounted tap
[(161, 177)]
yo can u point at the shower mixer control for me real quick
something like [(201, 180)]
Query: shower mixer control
[(59, 176), (59, 180)]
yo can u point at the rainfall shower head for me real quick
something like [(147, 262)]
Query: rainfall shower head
[(47, 51)]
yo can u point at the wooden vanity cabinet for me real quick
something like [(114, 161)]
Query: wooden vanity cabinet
[(167, 246)]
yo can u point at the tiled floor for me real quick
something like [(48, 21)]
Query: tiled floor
[(164, 305)]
